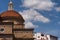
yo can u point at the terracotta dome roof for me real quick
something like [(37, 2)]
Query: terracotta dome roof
[(11, 13)]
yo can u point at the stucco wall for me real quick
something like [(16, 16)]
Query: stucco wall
[(7, 29), (23, 34)]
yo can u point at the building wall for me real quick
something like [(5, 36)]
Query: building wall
[(6, 38), (18, 26), (23, 34), (5, 29), (39, 36), (17, 29), (53, 38)]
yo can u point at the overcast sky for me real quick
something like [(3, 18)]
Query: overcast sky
[(42, 15)]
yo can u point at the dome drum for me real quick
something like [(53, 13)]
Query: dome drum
[(12, 18)]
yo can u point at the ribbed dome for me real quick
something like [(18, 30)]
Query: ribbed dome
[(11, 13)]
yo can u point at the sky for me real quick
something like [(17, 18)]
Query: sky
[(42, 15)]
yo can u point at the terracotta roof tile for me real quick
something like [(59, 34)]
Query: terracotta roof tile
[(11, 13)]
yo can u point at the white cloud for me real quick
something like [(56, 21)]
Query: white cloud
[(30, 25), (31, 14), (57, 9), (39, 4)]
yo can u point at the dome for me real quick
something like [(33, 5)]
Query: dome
[(11, 13)]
